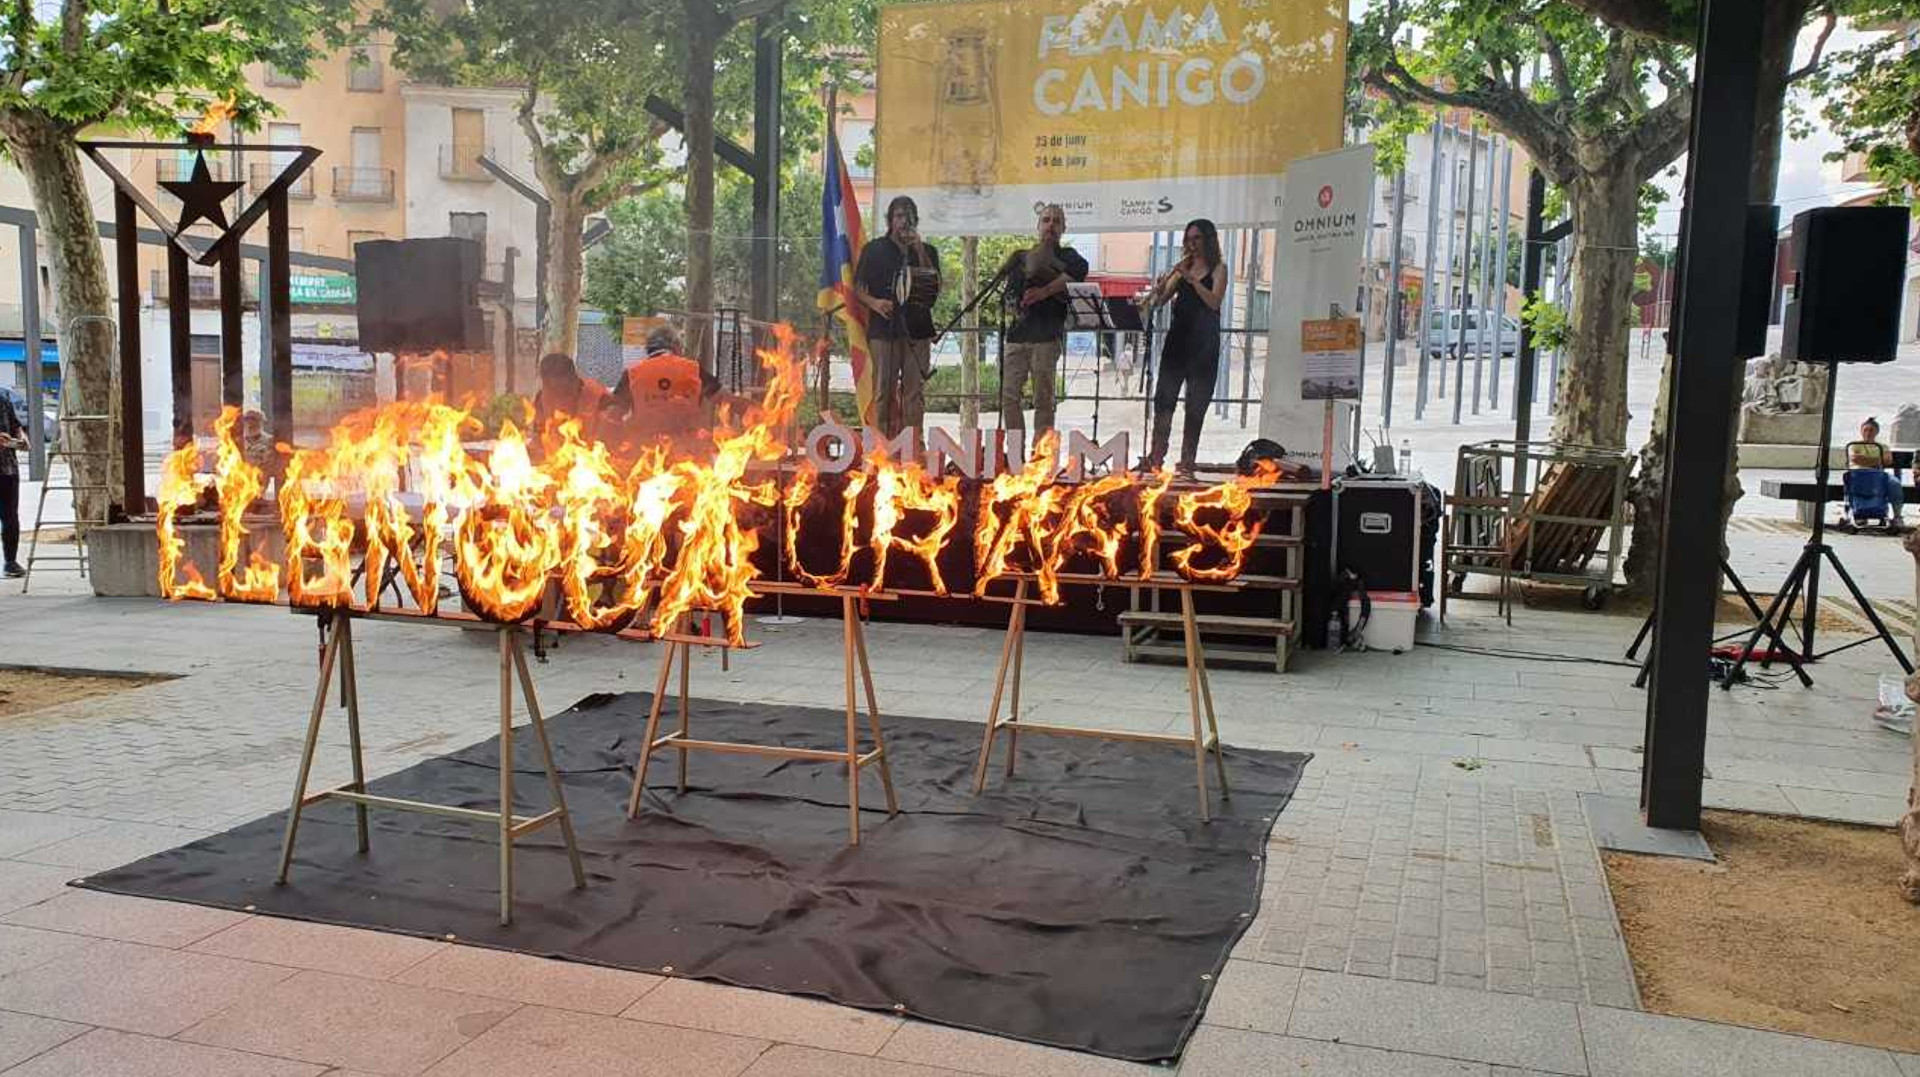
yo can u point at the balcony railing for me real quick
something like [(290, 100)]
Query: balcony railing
[(363, 184), (174, 168), (261, 176), (461, 161), (201, 287)]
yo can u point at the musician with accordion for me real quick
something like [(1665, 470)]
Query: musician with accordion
[(898, 280)]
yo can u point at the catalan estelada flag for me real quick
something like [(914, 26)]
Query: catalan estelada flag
[(840, 242)]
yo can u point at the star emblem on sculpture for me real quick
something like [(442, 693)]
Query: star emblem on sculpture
[(200, 196)]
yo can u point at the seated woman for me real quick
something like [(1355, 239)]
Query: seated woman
[(1871, 470)]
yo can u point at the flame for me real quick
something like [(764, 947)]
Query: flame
[(217, 113), (239, 484), (1150, 495), (1232, 537), (179, 489), (805, 482), (899, 490), (656, 540), (446, 483), (507, 544), (714, 566), (1087, 523), (313, 513), (1017, 511)]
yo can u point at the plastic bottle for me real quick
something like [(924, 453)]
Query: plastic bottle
[(1406, 456)]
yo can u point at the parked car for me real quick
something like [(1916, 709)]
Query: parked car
[(1443, 332), (49, 412)]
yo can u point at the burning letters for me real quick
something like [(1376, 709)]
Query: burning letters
[(644, 544)]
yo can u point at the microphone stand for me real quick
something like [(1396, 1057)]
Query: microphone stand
[(999, 280)]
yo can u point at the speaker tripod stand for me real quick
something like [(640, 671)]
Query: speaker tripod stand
[(1773, 635), (1803, 580)]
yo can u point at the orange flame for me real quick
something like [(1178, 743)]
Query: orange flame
[(1087, 523), (313, 513), (1150, 496), (239, 484), (805, 482), (714, 566), (506, 544), (217, 113), (443, 464), (179, 489), (899, 490), (1017, 511), (1232, 537)]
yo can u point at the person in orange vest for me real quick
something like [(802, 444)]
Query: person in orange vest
[(664, 399), (564, 394)]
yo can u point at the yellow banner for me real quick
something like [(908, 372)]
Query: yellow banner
[(1133, 114)]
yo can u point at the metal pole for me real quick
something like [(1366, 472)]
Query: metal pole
[(1527, 360), (1393, 295), (180, 337), (133, 463), (1483, 308), (1466, 276), (766, 167), (1222, 376), (1500, 274), (278, 403), (1432, 245), (232, 377), (1446, 272), (1687, 573), (1246, 342), (30, 347), (1365, 303)]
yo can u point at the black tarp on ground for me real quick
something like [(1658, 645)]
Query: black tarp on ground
[(1079, 904)]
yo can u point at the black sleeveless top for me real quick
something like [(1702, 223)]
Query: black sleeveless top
[(1191, 314)]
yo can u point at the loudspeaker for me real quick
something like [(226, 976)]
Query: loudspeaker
[(1756, 283), (1849, 267), (417, 295)]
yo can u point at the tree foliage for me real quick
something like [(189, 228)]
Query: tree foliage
[(1872, 96), (144, 63)]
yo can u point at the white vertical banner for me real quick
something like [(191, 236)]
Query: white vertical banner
[(1326, 208)]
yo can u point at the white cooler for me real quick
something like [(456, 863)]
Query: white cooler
[(1390, 624)]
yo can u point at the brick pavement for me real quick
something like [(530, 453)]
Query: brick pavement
[(1436, 846)]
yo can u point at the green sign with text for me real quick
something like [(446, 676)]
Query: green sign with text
[(320, 289)]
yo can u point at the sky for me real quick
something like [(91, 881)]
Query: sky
[(1807, 178)]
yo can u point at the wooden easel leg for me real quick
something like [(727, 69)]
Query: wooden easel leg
[(686, 660), (352, 682), (546, 756), (1213, 725), (1019, 661), (993, 709), (653, 729), (327, 656), (1192, 633), (873, 707), (506, 774), (848, 660)]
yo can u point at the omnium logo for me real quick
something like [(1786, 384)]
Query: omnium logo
[(1326, 195), (1325, 225)]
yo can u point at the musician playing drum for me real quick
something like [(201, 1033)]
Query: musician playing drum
[(898, 280)]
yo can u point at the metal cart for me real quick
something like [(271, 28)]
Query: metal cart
[(1565, 524)]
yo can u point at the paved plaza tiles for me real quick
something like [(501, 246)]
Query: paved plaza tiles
[(1433, 903)]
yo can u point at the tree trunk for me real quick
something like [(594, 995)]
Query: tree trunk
[(1592, 393), (970, 339), (703, 42), (1910, 822), (566, 272), (1779, 35), (45, 152)]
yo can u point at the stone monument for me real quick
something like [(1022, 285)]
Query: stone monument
[(1780, 413)]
